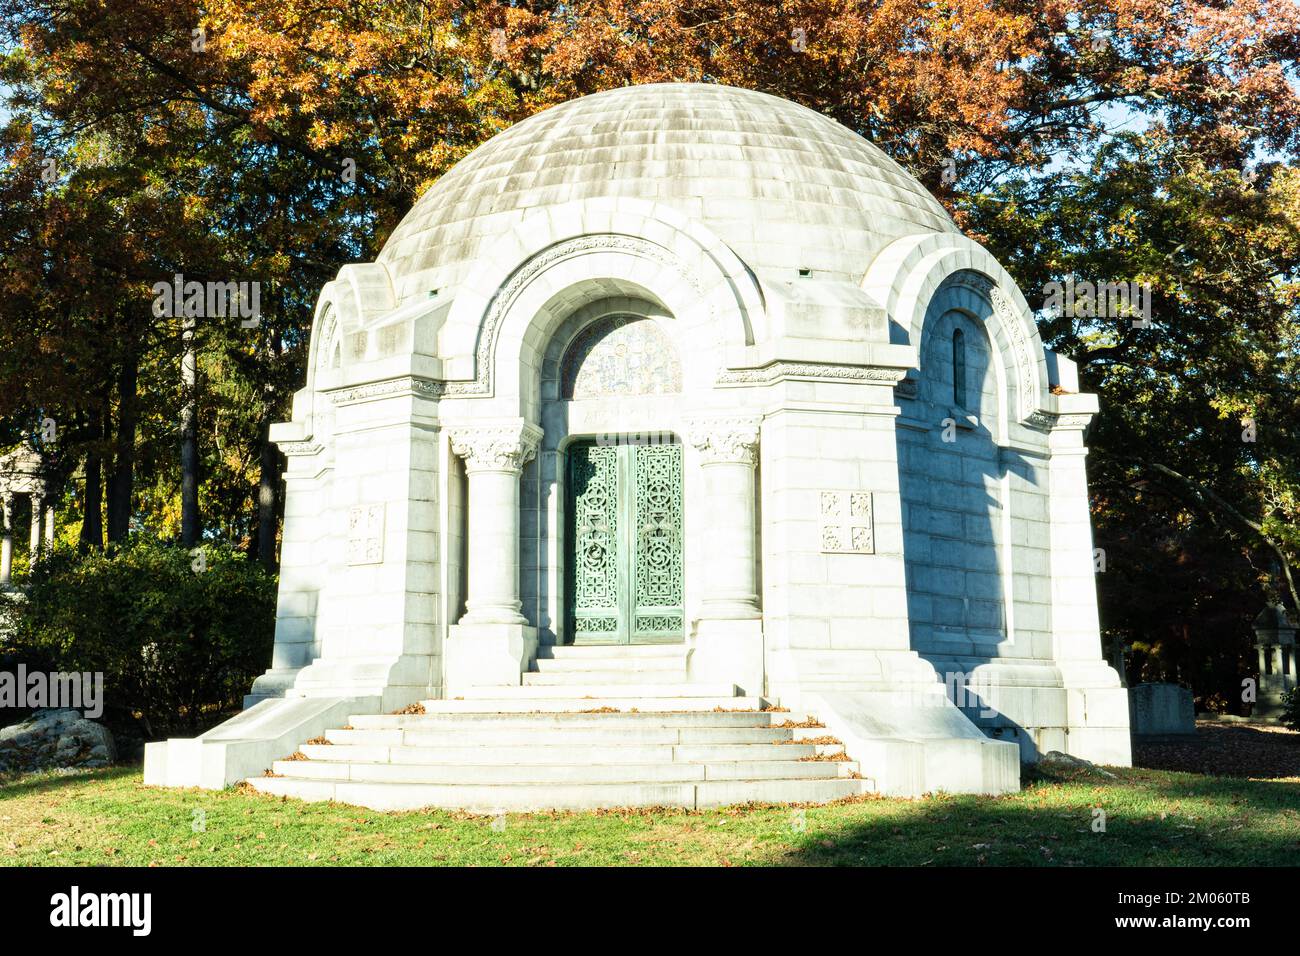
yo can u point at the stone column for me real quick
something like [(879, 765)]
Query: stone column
[(49, 525), (7, 542), (34, 542), (492, 644), (494, 459), (729, 633), (728, 451), (1273, 632)]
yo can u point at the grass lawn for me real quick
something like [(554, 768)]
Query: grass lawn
[(1151, 817)]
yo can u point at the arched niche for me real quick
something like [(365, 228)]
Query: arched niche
[(620, 355)]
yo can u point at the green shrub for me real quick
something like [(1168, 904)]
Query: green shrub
[(1291, 713), (177, 640)]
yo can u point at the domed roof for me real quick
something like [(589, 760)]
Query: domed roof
[(1273, 617), (785, 187)]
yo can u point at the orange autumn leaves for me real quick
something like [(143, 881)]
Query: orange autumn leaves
[(403, 88)]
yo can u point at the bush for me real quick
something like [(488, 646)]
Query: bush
[(1291, 713), (177, 640)]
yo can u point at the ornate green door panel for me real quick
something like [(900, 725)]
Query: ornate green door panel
[(624, 544), (657, 563), (595, 564)]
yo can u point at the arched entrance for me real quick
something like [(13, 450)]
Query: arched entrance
[(622, 548)]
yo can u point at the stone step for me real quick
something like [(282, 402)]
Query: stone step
[(606, 677), (557, 753), (541, 735), (580, 704), (658, 669), (453, 723), (590, 651), (563, 773), (580, 665), (492, 798), (597, 691)]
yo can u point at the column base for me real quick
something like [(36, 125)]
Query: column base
[(730, 609), (728, 652), (487, 655), (492, 616)]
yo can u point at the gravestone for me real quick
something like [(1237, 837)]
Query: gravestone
[(1160, 710)]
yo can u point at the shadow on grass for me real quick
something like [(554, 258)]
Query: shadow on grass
[(51, 780), (1227, 749), (1235, 792), (1076, 819)]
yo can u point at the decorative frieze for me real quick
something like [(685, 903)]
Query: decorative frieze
[(977, 282), (300, 448), (810, 371), (1048, 421), (406, 384), (1073, 421), (1014, 325), (500, 447)]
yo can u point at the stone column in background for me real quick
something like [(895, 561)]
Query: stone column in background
[(1275, 638), (34, 541), (7, 542), (49, 525)]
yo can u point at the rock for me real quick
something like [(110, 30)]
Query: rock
[(1056, 759), (55, 739)]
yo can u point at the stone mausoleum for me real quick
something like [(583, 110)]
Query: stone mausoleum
[(670, 416)]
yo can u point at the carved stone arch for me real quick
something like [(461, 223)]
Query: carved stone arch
[(906, 276), (329, 348), (667, 247), (566, 284)]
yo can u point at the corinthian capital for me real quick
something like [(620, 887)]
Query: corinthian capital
[(725, 439), (498, 446)]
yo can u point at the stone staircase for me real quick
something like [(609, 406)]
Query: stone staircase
[(590, 727)]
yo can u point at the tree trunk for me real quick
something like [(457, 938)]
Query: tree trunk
[(190, 525), (121, 480), (92, 525)]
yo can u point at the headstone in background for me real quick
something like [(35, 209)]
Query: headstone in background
[(1160, 710)]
